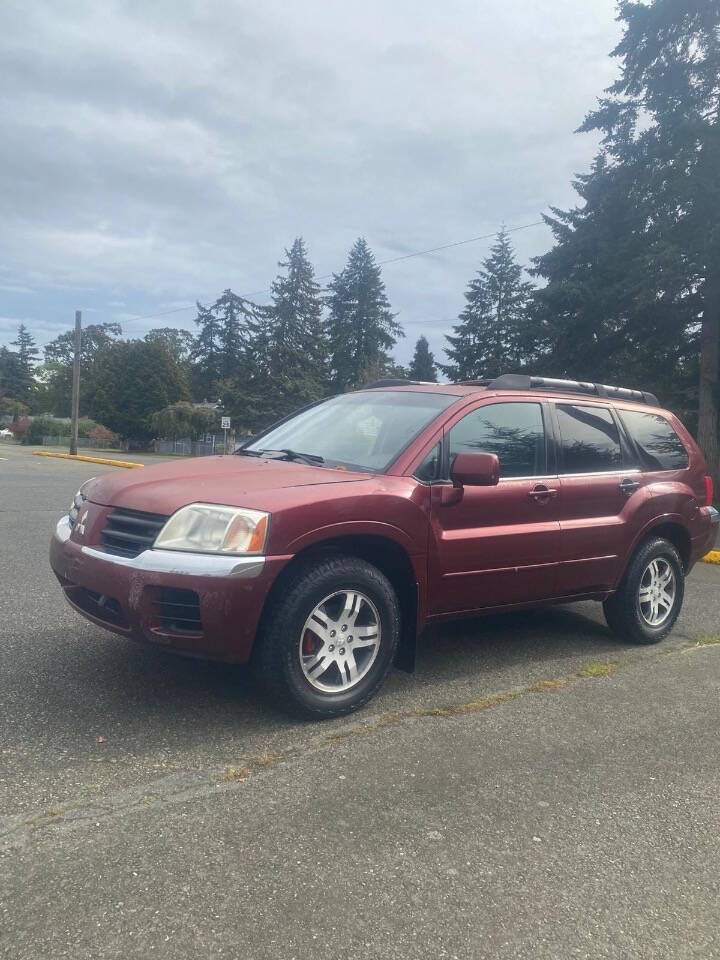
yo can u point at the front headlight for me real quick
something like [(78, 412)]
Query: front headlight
[(207, 528), (75, 506), (77, 502)]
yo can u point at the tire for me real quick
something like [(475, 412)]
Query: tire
[(307, 657), (638, 610)]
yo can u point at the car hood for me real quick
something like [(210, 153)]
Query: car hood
[(166, 487)]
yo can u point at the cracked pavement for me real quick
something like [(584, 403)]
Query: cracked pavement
[(536, 789)]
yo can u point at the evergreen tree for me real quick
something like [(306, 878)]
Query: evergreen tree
[(27, 354), (495, 334), (660, 157), (221, 350), (423, 363), (12, 375), (292, 339), (361, 326), (206, 359)]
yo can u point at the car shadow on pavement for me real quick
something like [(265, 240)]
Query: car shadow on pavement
[(508, 638), (152, 695)]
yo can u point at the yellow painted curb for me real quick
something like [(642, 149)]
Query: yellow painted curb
[(67, 456), (712, 557)]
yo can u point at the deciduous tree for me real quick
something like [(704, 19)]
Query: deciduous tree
[(135, 378)]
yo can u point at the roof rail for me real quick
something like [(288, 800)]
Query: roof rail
[(519, 381), (393, 382)]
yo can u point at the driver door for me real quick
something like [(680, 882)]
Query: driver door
[(500, 544)]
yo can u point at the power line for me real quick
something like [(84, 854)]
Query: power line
[(327, 276)]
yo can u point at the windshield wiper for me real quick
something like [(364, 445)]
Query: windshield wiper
[(288, 454), (248, 453)]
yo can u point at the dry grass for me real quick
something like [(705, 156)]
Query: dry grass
[(266, 759), (233, 774), (473, 706), (548, 686)]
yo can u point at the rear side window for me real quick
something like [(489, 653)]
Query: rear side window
[(514, 431), (589, 438), (660, 447)]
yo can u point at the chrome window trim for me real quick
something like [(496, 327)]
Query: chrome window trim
[(549, 476), (603, 473), (562, 476)]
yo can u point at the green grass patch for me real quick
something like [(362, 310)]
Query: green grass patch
[(708, 640), (597, 669)]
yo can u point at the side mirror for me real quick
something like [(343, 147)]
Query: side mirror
[(475, 469)]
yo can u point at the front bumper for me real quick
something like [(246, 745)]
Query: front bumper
[(130, 595)]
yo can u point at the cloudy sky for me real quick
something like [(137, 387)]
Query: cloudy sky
[(157, 153)]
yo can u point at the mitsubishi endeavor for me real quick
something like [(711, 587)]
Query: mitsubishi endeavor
[(320, 549)]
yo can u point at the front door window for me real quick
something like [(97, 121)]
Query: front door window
[(514, 431)]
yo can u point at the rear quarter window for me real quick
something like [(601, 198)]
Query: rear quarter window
[(660, 447)]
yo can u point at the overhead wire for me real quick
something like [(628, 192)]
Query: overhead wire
[(327, 276)]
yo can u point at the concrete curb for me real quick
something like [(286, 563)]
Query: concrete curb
[(66, 456), (712, 557)]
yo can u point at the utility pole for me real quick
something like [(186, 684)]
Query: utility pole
[(76, 385)]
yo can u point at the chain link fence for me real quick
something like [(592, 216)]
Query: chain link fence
[(83, 442), (192, 448)]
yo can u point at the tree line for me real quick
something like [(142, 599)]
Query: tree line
[(629, 293)]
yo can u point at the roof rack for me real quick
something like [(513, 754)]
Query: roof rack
[(518, 381), (393, 382)]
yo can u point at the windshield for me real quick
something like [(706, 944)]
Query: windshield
[(364, 430)]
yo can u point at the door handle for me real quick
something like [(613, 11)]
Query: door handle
[(541, 492), (629, 486)]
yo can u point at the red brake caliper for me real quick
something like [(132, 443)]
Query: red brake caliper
[(308, 644)]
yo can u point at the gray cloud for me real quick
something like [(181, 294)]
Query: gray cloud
[(157, 153)]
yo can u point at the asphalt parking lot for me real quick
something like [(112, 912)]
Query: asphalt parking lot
[(535, 789)]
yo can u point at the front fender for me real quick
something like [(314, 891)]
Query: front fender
[(357, 528)]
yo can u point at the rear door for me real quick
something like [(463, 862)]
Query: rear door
[(497, 545), (600, 488)]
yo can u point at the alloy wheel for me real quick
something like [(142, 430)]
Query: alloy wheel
[(657, 592), (340, 641)]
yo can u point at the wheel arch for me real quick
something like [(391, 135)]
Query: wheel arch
[(390, 557), (672, 529)]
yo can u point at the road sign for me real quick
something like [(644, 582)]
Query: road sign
[(225, 423)]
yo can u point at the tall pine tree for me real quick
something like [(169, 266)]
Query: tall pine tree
[(222, 349), (293, 337), (27, 354), (12, 375), (423, 363), (650, 224), (361, 326), (495, 334)]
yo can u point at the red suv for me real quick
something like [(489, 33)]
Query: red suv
[(320, 549)]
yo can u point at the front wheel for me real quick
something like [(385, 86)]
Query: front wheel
[(648, 601), (329, 643)]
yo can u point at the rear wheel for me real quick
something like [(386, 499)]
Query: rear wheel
[(329, 643), (649, 599)]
